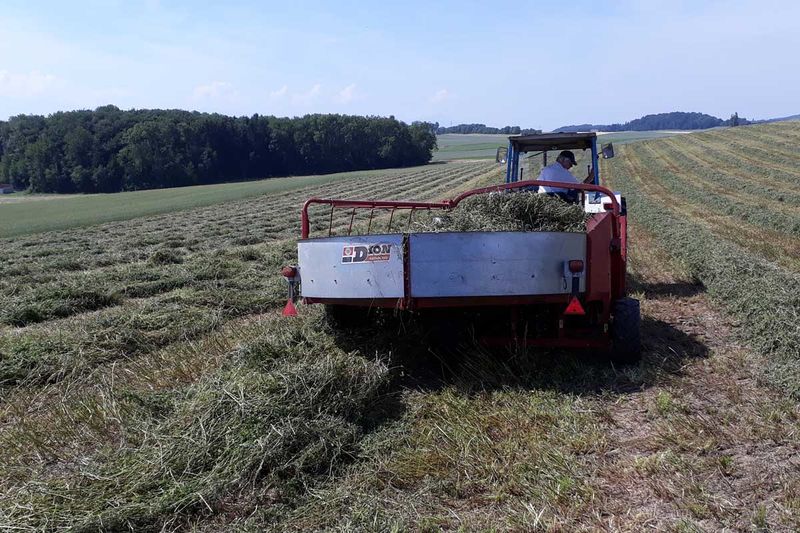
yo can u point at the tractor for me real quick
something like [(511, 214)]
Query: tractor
[(545, 289)]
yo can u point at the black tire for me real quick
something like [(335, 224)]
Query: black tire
[(347, 316), (626, 337)]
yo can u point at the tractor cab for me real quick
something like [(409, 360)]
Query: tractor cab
[(527, 155)]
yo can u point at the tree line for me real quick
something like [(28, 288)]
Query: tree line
[(483, 128), (676, 120), (110, 150)]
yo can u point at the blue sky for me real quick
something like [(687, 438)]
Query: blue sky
[(535, 64)]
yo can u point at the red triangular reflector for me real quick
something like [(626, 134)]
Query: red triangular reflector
[(574, 307), (289, 310)]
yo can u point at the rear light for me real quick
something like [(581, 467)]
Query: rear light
[(288, 272), (576, 266)]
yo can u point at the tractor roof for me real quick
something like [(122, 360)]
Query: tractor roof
[(552, 141)]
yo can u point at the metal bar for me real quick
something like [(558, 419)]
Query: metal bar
[(330, 224), (305, 224), (391, 216), (515, 167), (391, 303), (594, 162), (509, 155), (472, 301), (369, 224), (352, 216), (410, 212)]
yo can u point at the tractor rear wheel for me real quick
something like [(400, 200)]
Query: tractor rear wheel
[(625, 335)]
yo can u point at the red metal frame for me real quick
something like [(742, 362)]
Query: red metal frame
[(446, 204), (606, 258)]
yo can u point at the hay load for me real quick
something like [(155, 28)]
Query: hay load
[(518, 211)]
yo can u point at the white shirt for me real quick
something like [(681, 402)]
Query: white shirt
[(555, 172)]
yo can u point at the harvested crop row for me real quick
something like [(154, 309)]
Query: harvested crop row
[(675, 180), (221, 288), (764, 298), (761, 161), (778, 247), (782, 138), (740, 181), (281, 411)]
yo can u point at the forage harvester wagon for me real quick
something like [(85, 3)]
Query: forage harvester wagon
[(549, 289)]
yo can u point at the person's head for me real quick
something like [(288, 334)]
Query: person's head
[(566, 159)]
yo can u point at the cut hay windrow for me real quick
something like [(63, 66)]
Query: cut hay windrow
[(762, 297), (518, 211), (281, 411)]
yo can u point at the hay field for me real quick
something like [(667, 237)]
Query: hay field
[(471, 146), (19, 217), (727, 205), (149, 382)]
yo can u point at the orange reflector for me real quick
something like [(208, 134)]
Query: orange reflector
[(575, 266), (289, 310), (574, 307)]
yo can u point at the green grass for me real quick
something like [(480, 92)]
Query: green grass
[(30, 215), (455, 146)]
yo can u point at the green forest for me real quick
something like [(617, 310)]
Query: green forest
[(111, 150), (675, 120), (483, 129)]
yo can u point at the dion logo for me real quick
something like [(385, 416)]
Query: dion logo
[(362, 253)]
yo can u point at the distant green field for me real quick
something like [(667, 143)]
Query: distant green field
[(22, 214), (477, 146), (471, 146)]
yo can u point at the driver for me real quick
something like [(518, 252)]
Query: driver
[(559, 171)]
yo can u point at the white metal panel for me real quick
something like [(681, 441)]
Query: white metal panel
[(493, 263), (368, 266)]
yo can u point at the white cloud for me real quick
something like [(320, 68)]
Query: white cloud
[(347, 94), (307, 97), (215, 90), (25, 84), (440, 96), (280, 93)]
